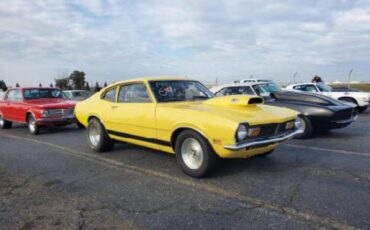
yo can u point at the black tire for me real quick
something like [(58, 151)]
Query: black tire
[(4, 124), (203, 166), (308, 128), (265, 154), (32, 125), (361, 109), (103, 143), (79, 125)]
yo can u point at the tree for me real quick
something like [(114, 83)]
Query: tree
[(97, 87), (62, 83), (51, 85), (105, 84), (87, 86), (17, 85), (77, 79), (3, 86), (40, 85)]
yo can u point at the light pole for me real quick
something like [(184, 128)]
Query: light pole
[(349, 78), (294, 76)]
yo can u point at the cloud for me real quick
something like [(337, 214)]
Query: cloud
[(112, 40)]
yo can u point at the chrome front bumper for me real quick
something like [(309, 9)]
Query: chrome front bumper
[(267, 141), (56, 120)]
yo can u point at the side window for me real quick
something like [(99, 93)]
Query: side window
[(133, 93), (14, 95), (110, 95), (247, 90)]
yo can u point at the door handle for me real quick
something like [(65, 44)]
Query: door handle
[(114, 107)]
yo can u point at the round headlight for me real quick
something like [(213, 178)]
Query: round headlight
[(44, 113), (242, 132), (298, 122)]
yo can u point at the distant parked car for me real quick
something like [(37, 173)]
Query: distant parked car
[(77, 95), (36, 107), (251, 80), (319, 112), (361, 99)]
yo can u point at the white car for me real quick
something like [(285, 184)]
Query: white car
[(361, 99)]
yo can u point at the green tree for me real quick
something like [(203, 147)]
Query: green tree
[(62, 83), (105, 84), (51, 85), (17, 85), (97, 87), (40, 85), (3, 85), (77, 79), (87, 86)]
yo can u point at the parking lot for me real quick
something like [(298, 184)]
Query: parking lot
[(55, 181)]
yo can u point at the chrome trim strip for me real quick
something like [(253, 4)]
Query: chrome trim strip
[(262, 142), (59, 119)]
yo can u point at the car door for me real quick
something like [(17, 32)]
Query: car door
[(133, 117), (14, 107)]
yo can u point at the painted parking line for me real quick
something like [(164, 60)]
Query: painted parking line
[(340, 151), (319, 221)]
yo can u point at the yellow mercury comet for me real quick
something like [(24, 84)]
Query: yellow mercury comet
[(181, 116)]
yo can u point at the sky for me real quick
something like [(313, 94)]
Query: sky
[(213, 40)]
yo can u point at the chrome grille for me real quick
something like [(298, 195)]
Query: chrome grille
[(60, 112)]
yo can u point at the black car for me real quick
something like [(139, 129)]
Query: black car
[(320, 113)]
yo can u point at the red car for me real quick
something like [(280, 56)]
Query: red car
[(36, 107)]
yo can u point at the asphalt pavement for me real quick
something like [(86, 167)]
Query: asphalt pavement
[(54, 181)]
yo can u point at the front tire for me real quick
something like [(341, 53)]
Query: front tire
[(97, 137), (32, 125), (194, 154), (307, 128), (4, 124), (362, 109)]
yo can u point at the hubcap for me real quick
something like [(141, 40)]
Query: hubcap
[(192, 153), (1, 121), (32, 124), (94, 134), (303, 125)]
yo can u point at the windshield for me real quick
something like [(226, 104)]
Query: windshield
[(179, 90), (323, 87), (80, 94), (265, 90), (30, 94)]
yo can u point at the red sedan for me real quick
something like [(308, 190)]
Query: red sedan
[(36, 107)]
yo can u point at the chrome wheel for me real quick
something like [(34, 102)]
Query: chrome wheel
[(192, 153), (32, 124), (303, 125), (1, 121), (94, 134)]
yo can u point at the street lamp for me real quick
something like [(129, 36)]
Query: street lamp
[(349, 78)]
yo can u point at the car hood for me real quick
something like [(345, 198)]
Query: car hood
[(237, 108), (51, 103), (305, 98)]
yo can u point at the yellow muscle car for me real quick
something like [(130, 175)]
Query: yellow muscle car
[(181, 116)]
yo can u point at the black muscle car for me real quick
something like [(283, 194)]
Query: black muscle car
[(319, 113)]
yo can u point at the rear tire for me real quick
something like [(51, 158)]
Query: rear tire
[(4, 124), (32, 125), (307, 128), (97, 137), (194, 154)]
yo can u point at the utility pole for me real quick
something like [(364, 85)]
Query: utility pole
[(349, 78), (294, 76)]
